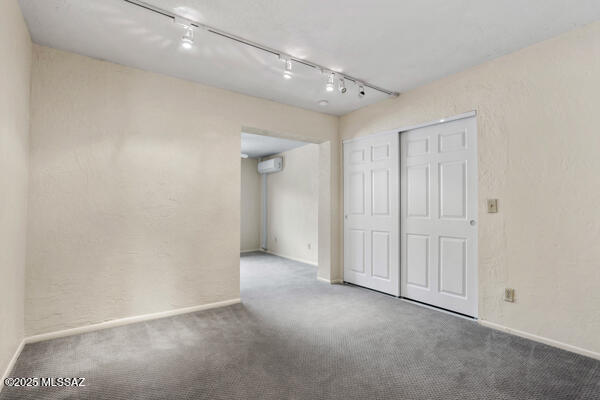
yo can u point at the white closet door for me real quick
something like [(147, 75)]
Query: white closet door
[(439, 215), (371, 213)]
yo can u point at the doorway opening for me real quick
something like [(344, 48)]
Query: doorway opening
[(279, 197), (284, 199)]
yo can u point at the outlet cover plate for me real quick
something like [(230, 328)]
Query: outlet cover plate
[(509, 295), (492, 205)]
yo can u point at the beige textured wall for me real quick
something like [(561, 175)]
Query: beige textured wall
[(292, 205), (250, 206), (539, 154), (135, 189), (15, 72)]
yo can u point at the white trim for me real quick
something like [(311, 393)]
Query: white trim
[(250, 251), (370, 136), (128, 320), (468, 114), (11, 363), (330, 281), (542, 339), (291, 258)]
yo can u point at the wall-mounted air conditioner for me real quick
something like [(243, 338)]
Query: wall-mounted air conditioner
[(270, 166)]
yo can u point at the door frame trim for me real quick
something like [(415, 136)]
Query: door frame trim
[(467, 114)]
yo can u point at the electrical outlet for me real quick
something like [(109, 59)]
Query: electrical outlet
[(509, 295), (492, 205)]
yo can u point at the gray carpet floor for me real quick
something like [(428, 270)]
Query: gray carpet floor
[(298, 338)]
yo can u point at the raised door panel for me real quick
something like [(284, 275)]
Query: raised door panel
[(380, 192), (357, 157), (380, 152), (417, 255), (453, 189), (380, 254), (418, 191), (454, 141), (357, 250), (356, 200), (417, 147), (453, 266)]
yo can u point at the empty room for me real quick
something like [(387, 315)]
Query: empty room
[(299, 199)]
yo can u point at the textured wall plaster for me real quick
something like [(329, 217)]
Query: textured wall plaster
[(135, 188), (539, 147), (15, 72), (292, 205)]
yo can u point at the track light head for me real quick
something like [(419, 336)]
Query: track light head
[(287, 73), (187, 41), (361, 90), (330, 87), (342, 86)]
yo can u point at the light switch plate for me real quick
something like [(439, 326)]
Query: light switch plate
[(492, 205)]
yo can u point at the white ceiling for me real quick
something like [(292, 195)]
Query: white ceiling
[(261, 146), (396, 44)]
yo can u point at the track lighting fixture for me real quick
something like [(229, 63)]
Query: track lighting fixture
[(361, 89), (287, 73), (187, 41), (330, 87), (342, 86)]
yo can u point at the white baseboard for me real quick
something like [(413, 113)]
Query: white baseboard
[(249, 251), (11, 363), (331, 281), (291, 258), (128, 320), (541, 339)]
